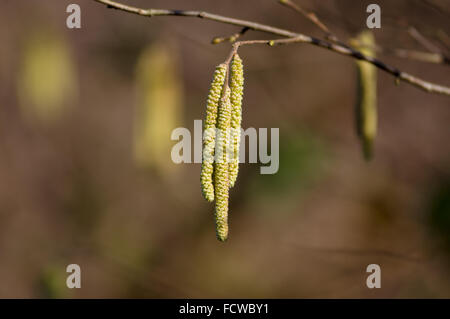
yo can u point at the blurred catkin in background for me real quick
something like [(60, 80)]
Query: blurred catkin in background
[(47, 80), (159, 111)]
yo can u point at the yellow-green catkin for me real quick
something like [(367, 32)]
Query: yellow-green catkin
[(209, 132), (221, 169), (237, 92), (366, 107)]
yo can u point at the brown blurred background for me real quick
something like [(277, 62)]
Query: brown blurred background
[(86, 177)]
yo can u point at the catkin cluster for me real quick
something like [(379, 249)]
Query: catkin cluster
[(209, 132), (221, 139)]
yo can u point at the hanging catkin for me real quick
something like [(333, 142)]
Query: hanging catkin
[(366, 107), (221, 170), (209, 134), (237, 91)]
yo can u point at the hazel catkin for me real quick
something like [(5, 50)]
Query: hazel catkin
[(209, 134), (237, 92), (221, 169)]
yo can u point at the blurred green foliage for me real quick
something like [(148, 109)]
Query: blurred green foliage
[(52, 282), (440, 212), (302, 159)]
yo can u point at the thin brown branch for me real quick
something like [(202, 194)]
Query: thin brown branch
[(427, 57), (413, 32), (360, 252), (417, 55), (444, 39), (292, 37), (311, 16), (199, 14), (434, 57), (348, 51)]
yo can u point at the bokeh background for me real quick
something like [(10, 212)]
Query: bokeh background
[(86, 175)]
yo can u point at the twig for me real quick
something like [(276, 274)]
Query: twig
[(231, 38), (413, 32), (444, 39), (401, 75), (311, 16), (359, 252), (440, 9), (292, 37), (427, 57), (434, 57)]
